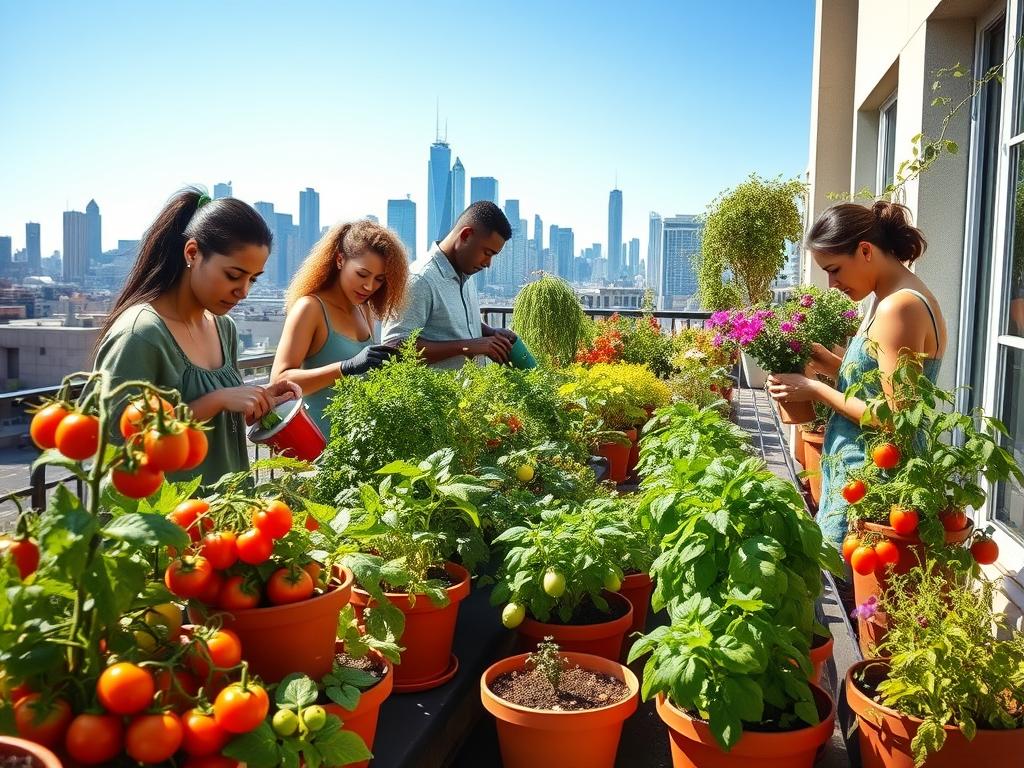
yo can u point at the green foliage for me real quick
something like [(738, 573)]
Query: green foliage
[(617, 393), (745, 232), (549, 661), (831, 316), (945, 665), (548, 317)]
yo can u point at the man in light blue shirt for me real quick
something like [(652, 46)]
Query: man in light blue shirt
[(442, 298)]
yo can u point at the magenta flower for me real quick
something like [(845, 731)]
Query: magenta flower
[(850, 314), (795, 345), (798, 317), (787, 327), (806, 300), (866, 609), (718, 340)]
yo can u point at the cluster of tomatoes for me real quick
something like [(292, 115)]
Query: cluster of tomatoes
[(866, 557), (152, 710), (220, 569)]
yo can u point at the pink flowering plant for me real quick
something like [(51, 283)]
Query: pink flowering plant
[(830, 317), (775, 336)]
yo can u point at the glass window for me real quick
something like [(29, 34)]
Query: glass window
[(887, 145), (1009, 506)]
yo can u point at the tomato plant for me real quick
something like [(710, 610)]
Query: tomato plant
[(43, 428)]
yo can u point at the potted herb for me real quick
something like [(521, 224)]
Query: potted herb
[(950, 692), (547, 316), (560, 576), (558, 709)]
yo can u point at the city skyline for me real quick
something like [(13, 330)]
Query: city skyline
[(325, 129)]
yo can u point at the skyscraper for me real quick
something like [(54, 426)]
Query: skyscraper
[(458, 193), (76, 246), (402, 221), (283, 247), (566, 253), (483, 188), (654, 252), (309, 220), (439, 192), (266, 212), (221, 190), (94, 240), (681, 236), (615, 235), (511, 262), (634, 256), (538, 243), (6, 252), (32, 247)]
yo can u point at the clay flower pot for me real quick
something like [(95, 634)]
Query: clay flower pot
[(821, 652), (363, 719), (637, 588), (618, 459), (603, 639), (40, 755), (427, 660), (634, 450), (812, 455), (530, 738), (793, 412)]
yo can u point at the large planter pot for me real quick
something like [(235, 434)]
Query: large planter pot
[(40, 756), (693, 746), (530, 738), (637, 588), (634, 450), (754, 374), (604, 639), (812, 461), (912, 552), (821, 652), (793, 412), (427, 660), (618, 459), (798, 448), (885, 734), (298, 637), (363, 719)]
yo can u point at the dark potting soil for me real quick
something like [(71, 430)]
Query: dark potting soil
[(370, 664), (578, 689), (438, 574), (17, 761), (588, 613)]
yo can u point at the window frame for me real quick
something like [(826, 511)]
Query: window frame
[(883, 132)]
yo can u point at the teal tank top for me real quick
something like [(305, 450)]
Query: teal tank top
[(843, 447), (338, 347)]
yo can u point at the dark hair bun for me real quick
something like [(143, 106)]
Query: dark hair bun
[(899, 236)]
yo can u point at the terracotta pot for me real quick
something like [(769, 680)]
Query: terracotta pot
[(727, 394), (535, 737), (618, 459), (634, 450), (637, 588), (363, 719), (427, 660), (798, 448), (885, 734), (298, 637), (693, 746), (796, 412), (812, 461), (41, 756), (912, 551), (820, 654), (604, 639)]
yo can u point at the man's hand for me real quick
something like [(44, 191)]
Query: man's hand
[(505, 333), (497, 347)]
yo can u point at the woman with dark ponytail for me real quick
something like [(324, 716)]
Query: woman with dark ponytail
[(170, 324), (864, 251)]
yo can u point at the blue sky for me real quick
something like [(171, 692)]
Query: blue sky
[(125, 102)]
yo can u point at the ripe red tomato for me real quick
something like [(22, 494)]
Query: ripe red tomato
[(985, 551), (153, 738), (167, 450), (275, 520), (143, 482), (187, 577), (953, 519), (224, 649), (854, 491), (238, 592), (886, 456), (198, 444), (864, 560), (254, 546), (43, 428), (78, 436), (176, 690), (41, 721), (887, 553), (850, 543), (210, 596), (125, 688), (192, 516), (202, 736), (239, 710), (903, 520), (311, 523), (313, 569), (133, 417), (24, 553), (288, 585), (94, 739), (220, 549)]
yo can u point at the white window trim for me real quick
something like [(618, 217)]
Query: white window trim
[(883, 125)]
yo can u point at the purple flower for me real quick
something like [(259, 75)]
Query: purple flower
[(798, 317), (866, 609), (719, 318), (718, 340), (787, 327), (806, 300), (851, 314), (795, 345)]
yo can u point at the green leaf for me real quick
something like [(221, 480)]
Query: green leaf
[(257, 749), (339, 747), (147, 530), (745, 698), (724, 723), (296, 691), (346, 696)]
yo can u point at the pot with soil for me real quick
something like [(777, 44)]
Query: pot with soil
[(885, 733), (375, 678), (795, 412), (590, 630), (563, 710), (617, 454), (427, 661), (21, 753), (821, 652)]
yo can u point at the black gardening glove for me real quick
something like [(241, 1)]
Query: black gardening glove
[(370, 357)]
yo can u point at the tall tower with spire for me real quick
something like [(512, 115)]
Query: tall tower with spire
[(439, 186), (615, 264)]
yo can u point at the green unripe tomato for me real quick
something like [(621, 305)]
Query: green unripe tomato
[(314, 717), (285, 722), (554, 584), (525, 473), (612, 582), (513, 614)]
